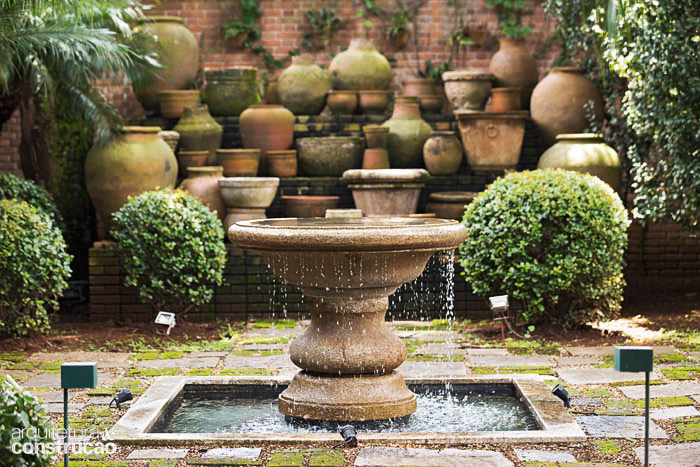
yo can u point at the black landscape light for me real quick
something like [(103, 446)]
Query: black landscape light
[(122, 396), (562, 394), (349, 435)]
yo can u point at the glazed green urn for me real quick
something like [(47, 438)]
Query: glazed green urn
[(302, 87), (199, 132)]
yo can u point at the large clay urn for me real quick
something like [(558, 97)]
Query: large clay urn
[(230, 91), (408, 132), (178, 53), (442, 153), (585, 153), (135, 161), (360, 67), (302, 87), (266, 127), (199, 132), (203, 182), (515, 67), (558, 103)]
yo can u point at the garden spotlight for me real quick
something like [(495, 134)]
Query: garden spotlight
[(562, 394), (122, 396), (167, 319)]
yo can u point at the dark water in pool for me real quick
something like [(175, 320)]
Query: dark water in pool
[(251, 409)]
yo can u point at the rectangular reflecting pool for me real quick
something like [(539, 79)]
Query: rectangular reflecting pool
[(237, 410)]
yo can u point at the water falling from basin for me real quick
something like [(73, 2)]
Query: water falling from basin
[(347, 268)]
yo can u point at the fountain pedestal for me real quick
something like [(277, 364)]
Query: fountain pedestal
[(347, 268)]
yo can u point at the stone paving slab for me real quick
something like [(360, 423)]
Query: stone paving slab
[(433, 369), (598, 375), (51, 396), (662, 390), (57, 407), (53, 380), (161, 453), (450, 336), (673, 455), (205, 354), (696, 398), (264, 347), (674, 412), (274, 332), (486, 352), (394, 457), (232, 453), (539, 455), (510, 360), (199, 362), (103, 359), (440, 348), (273, 361), (578, 361), (590, 351), (604, 426)]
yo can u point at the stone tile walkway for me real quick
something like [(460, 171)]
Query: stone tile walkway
[(586, 373)]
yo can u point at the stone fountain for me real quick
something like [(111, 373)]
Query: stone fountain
[(347, 268)]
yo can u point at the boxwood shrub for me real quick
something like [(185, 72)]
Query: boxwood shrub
[(553, 240), (172, 249), (13, 187), (34, 267), (23, 422)]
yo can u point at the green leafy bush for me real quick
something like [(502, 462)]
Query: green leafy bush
[(22, 421), (13, 187), (552, 239), (34, 267), (172, 249)]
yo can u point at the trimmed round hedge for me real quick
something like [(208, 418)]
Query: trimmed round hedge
[(553, 240), (34, 267), (14, 187), (172, 249)]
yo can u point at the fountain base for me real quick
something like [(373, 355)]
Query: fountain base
[(347, 398)]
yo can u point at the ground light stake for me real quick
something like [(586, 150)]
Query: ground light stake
[(74, 376), (635, 360)]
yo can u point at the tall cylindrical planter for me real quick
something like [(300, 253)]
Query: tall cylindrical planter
[(203, 182), (302, 87), (360, 67), (199, 132), (515, 67), (442, 153), (178, 52), (585, 153), (408, 132), (133, 162), (266, 127), (229, 91), (558, 103)]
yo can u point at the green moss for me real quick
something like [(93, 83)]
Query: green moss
[(55, 366), (526, 370), (249, 372), (673, 401), (327, 458), (200, 372), (101, 392), (435, 325), (683, 373), (669, 358), (265, 340), (274, 323), (602, 393), (608, 446), (22, 366), (12, 357), (83, 463), (286, 459), (641, 382), (148, 372), (170, 355), (256, 353), (163, 463), (436, 358), (146, 356), (224, 461), (483, 370), (689, 428)]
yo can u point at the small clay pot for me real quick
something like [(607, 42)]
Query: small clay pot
[(307, 205), (442, 153), (449, 204), (431, 103), (239, 162), (282, 163), (186, 159), (375, 158), (376, 136), (373, 102), (342, 102), (173, 101), (505, 99)]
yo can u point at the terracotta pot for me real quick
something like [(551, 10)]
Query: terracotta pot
[(400, 39), (307, 205), (329, 156), (360, 67), (133, 162), (467, 90), (187, 159), (505, 99), (431, 103), (177, 51), (229, 91), (492, 140), (239, 39), (247, 198), (515, 67), (342, 102), (239, 162), (272, 96), (442, 153), (408, 132), (266, 127), (373, 102), (199, 131), (558, 103), (376, 136), (375, 158), (302, 87), (418, 87), (170, 137), (282, 163), (386, 192), (173, 102), (203, 182), (449, 204), (585, 153)]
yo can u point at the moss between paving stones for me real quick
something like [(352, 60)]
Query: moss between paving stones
[(608, 446), (22, 366), (326, 458), (224, 461), (274, 323), (200, 372), (682, 373), (257, 353), (163, 463), (571, 464), (249, 372), (154, 372), (503, 370), (50, 366), (435, 358), (12, 357), (689, 429), (670, 358), (286, 459), (602, 393), (641, 382), (146, 356), (265, 340), (672, 401), (99, 463), (435, 325)]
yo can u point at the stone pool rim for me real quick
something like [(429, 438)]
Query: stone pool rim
[(557, 425)]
